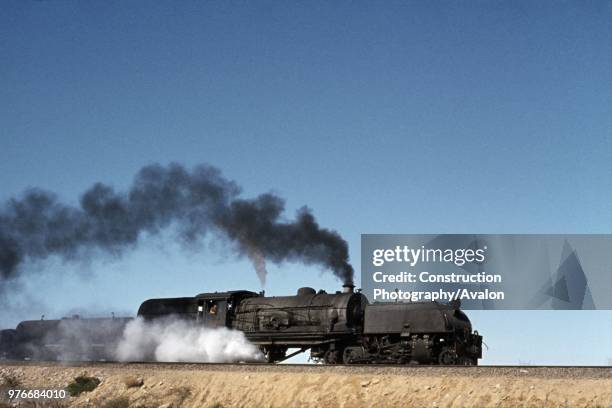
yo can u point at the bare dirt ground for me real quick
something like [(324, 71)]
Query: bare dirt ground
[(194, 385)]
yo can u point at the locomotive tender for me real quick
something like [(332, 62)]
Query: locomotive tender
[(337, 328), (70, 338)]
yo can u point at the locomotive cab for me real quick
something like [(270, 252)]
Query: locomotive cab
[(208, 309), (218, 309)]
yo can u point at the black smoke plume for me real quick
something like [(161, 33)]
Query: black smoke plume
[(197, 202)]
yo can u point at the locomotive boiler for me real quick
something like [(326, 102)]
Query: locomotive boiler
[(322, 322)]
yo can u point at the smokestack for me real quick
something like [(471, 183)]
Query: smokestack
[(348, 288)]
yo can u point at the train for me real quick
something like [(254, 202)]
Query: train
[(337, 328)]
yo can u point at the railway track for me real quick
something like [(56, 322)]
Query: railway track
[(602, 372)]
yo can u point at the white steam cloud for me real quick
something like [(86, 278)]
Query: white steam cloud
[(174, 340)]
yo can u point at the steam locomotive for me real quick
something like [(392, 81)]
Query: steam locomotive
[(337, 328)]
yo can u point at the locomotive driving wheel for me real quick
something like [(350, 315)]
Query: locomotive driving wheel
[(348, 356), (334, 356), (447, 356), (467, 361), (331, 357), (273, 354)]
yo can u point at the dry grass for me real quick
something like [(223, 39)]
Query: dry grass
[(183, 393), (10, 381), (35, 404), (119, 402)]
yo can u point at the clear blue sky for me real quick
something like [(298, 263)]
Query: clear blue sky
[(407, 117)]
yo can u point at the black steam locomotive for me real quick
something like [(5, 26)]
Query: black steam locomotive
[(336, 328)]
